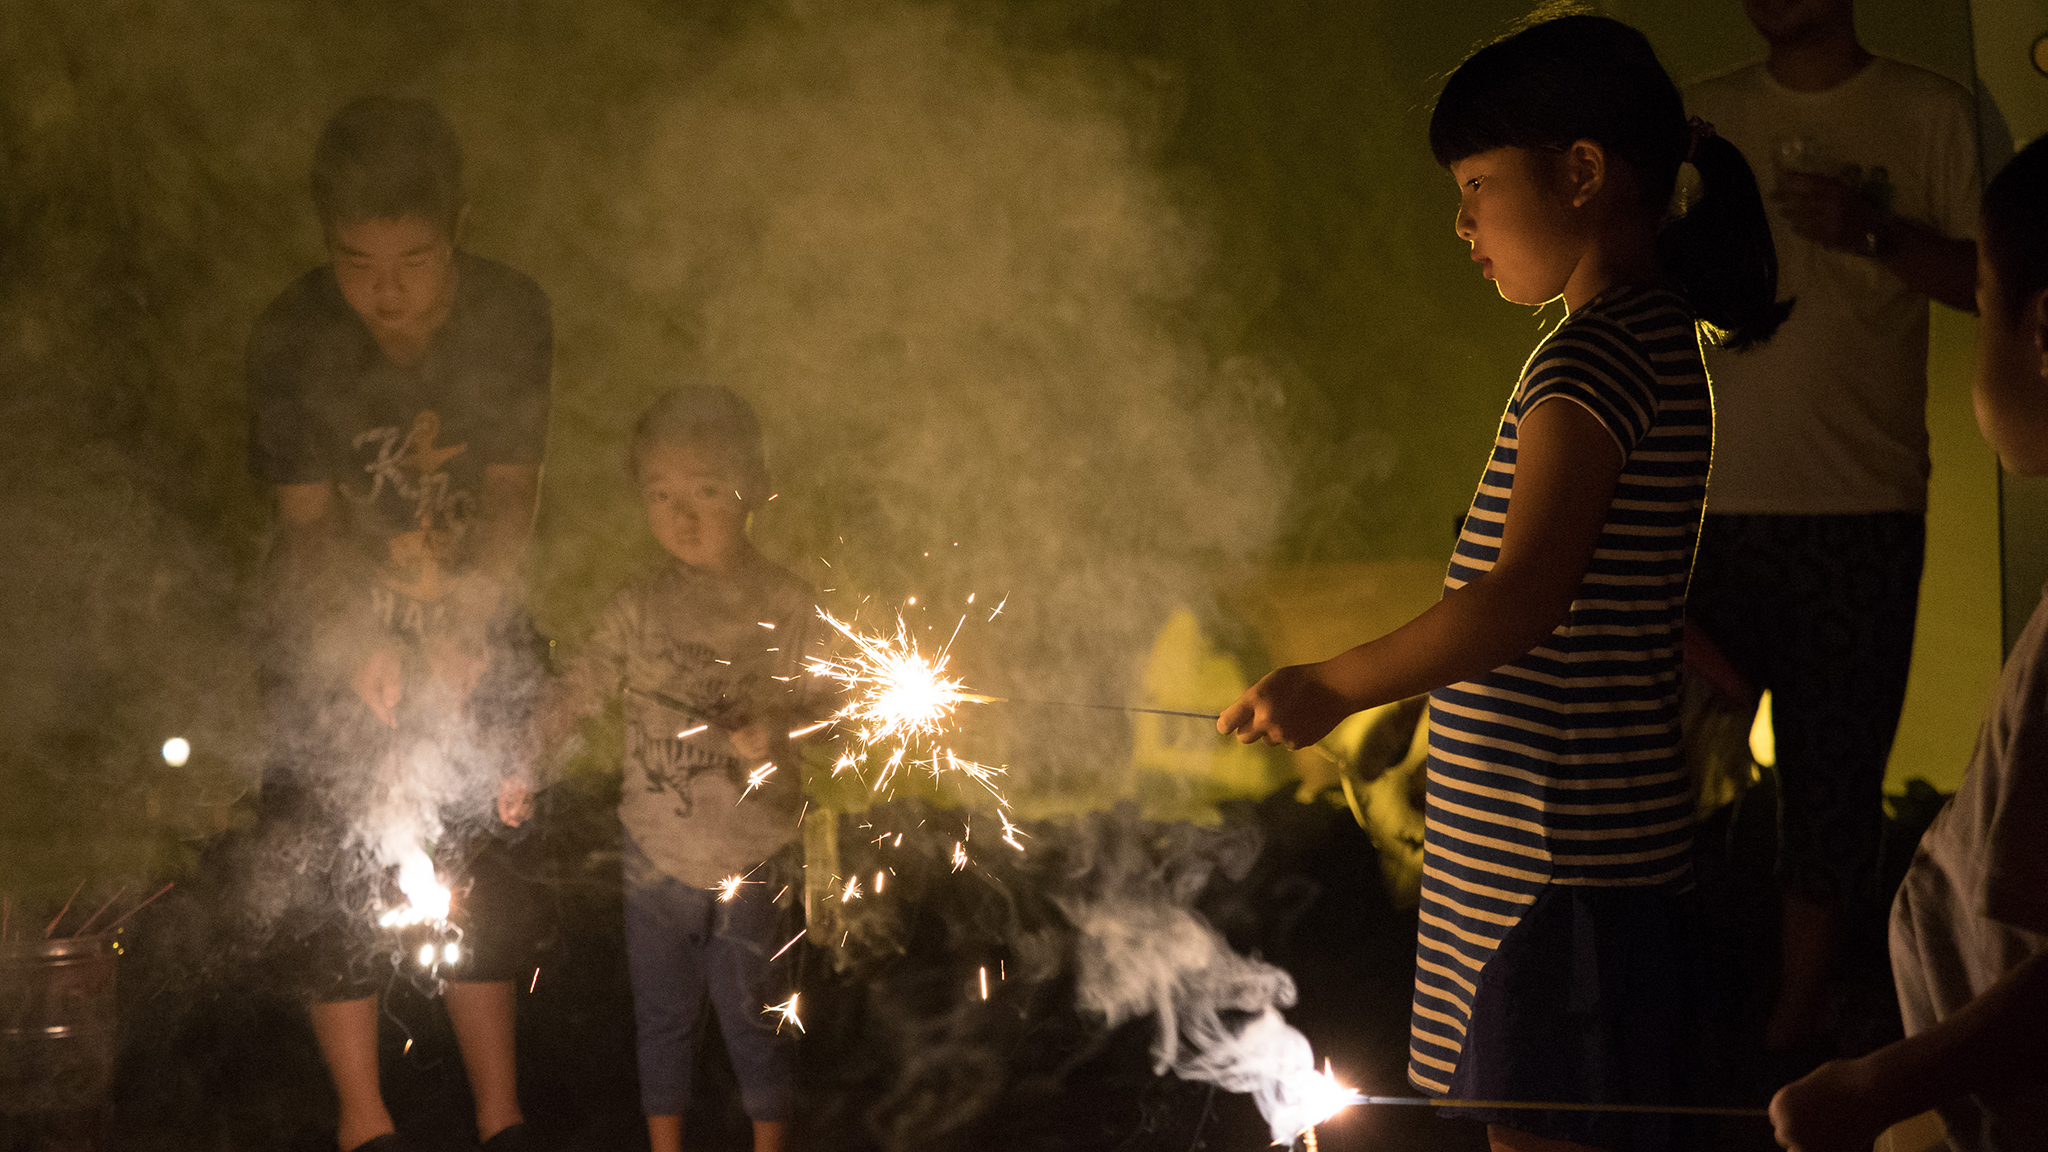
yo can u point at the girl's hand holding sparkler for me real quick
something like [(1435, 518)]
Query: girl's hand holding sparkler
[(1293, 706)]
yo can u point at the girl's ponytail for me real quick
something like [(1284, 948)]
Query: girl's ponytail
[(1719, 253), (1586, 77)]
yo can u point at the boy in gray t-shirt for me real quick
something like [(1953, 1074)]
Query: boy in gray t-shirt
[(1969, 933), (707, 650)]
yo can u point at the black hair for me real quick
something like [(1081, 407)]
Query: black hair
[(705, 416), (2015, 228), (386, 157), (1577, 77)]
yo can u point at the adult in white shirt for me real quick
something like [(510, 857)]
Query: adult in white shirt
[(1809, 564)]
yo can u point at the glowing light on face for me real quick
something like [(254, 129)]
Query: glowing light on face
[(177, 750)]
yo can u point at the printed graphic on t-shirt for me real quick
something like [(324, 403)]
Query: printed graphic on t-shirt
[(717, 694), (408, 487)]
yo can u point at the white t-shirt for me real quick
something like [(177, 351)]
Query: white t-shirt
[(1830, 415), (1974, 904)]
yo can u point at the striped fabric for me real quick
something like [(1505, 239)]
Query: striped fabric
[(1563, 766)]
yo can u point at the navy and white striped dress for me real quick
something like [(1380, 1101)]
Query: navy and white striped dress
[(1563, 766)]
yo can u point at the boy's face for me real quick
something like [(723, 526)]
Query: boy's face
[(693, 505), (398, 275)]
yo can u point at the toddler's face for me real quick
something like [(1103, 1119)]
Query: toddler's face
[(398, 275), (693, 505), (1512, 212)]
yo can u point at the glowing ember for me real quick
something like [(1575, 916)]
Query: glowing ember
[(900, 694), (730, 887), (901, 702), (426, 901), (177, 750), (785, 1013), (852, 892), (959, 855)]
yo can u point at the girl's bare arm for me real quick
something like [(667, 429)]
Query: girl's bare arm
[(1565, 472)]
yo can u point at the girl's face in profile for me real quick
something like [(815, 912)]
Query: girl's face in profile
[(1515, 212)]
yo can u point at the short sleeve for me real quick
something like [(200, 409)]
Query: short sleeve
[(517, 339), (284, 435), (1593, 364), (2016, 736), (1956, 185)]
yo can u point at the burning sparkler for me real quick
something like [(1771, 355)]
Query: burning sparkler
[(785, 1013), (426, 900)]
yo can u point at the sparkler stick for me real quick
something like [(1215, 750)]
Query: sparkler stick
[(138, 908), (52, 927), (96, 915), (1562, 1106), (979, 699)]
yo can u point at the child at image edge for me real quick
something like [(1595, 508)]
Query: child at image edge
[(1969, 936), (710, 639), (1550, 958)]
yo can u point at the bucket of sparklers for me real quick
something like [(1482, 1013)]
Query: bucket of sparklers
[(56, 1023)]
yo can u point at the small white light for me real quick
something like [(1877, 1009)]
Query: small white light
[(177, 750), (426, 955), (451, 953)]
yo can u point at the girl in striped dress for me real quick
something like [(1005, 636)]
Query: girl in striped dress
[(1551, 954)]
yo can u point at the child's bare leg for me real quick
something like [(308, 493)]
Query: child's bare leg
[(769, 1135), (1504, 1139), (665, 1134), (1806, 950), (483, 1018), (346, 1031)]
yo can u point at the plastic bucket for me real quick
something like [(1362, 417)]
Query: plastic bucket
[(56, 1024)]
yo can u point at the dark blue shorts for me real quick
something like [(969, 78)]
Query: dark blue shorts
[(1587, 1001)]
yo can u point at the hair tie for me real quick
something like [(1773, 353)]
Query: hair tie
[(1696, 130)]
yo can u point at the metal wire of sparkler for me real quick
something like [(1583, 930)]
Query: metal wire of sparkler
[(1564, 1106)]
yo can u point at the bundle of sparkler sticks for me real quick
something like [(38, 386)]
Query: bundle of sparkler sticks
[(84, 929)]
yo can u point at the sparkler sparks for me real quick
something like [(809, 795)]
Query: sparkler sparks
[(426, 901), (758, 777), (902, 700), (785, 1013)]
